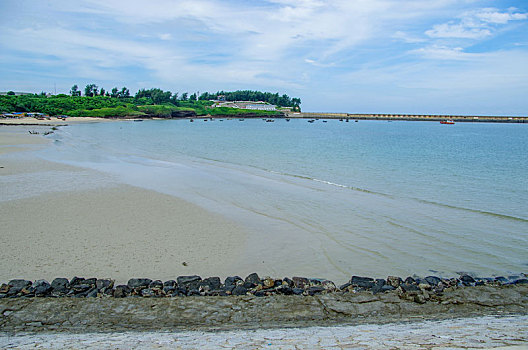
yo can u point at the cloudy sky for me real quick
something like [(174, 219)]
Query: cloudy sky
[(356, 56)]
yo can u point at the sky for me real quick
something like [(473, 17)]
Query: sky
[(355, 56)]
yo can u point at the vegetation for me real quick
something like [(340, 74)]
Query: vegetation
[(98, 102)]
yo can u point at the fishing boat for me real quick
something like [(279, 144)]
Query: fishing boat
[(447, 122)]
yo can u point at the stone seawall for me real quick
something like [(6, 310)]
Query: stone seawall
[(410, 117), (190, 302), (217, 313)]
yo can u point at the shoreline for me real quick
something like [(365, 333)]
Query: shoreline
[(61, 220), (53, 121)]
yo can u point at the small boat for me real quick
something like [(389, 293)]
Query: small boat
[(192, 120), (287, 119), (138, 120), (447, 122), (311, 121)]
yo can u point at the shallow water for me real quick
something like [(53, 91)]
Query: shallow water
[(334, 199)]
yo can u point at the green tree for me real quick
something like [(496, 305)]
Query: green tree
[(11, 93), (74, 91), (90, 90), (102, 92), (184, 96), (115, 92)]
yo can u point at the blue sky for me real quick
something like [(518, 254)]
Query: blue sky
[(356, 56)]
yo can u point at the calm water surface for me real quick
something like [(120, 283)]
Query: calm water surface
[(331, 199)]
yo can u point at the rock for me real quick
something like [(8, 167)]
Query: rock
[(4, 288), (104, 284), (394, 281), (297, 291), (315, 290), (232, 281), (212, 283), (288, 281), (409, 288), (239, 290), (363, 282), (269, 283), (284, 289), (147, 292), (433, 280), (60, 286), (420, 299), (185, 280), (467, 279), (92, 293), (328, 285), (228, 289), (410, 280), (378, 287), (76, 280), (139, 283), (253, 279), (121, 291), (387, 288), (315, 281), (260, 293), (168, 290), (81, 288), (520, 281), (41, 288), (16, 286), (501, 280), (90, 281), (169, 283), (344, 287), (301, 282), (156, 284)]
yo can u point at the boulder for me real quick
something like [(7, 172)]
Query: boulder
[(394, 281), (16, 286), (104, 284), (363, 282), (60, 286), (41, 288), (433, 280), (239, 290), (313, 290), (232, 281), (139, 283), (121, 291), (76, 280), (169, 283), (253, 279), (185, 280), (301, 282), (212, 283), (156, 284)]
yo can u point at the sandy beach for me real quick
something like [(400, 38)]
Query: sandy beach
[(62, 221)]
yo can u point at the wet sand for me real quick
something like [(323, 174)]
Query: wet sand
[(62, 221)]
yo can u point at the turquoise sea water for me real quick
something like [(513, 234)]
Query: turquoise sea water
[(334, 198)]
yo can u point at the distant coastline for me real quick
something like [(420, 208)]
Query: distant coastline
[(411, 117)]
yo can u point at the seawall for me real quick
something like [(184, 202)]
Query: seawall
[(411, 117)]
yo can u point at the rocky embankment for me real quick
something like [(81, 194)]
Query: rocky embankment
[(190, 302)]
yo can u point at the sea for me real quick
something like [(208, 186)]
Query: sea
[(331, 199)]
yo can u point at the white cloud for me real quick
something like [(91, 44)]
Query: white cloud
[(447, 30), (491, 15), (476, 24)]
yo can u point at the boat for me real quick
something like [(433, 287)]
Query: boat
[(447, 122)]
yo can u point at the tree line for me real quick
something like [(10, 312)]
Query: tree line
[(158, 96)]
